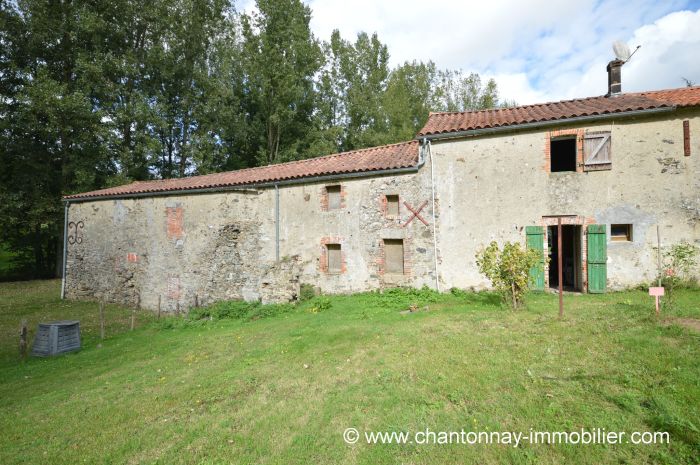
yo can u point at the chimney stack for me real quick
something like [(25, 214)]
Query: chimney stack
[(615, 77)]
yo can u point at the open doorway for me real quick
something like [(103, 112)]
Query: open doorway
[(571, 257)]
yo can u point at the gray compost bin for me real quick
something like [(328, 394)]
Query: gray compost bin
[(57, 337)]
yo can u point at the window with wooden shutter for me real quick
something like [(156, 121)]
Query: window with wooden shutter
[(393, 256), (597, 258), (535, 240), (335, 258), (596, 151)]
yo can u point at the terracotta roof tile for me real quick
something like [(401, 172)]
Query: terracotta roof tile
[(402, 155), (445, 123)]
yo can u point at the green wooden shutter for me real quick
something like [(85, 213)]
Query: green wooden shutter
[(535, 240), (597, 258)]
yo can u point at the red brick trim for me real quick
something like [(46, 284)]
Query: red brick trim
[(407, 257), (175, 220), (323, 259), (549, 135), (324, 197), (384, 207), (173, 287), (576, 221)]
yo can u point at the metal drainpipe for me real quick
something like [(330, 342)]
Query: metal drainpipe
[(65, 250), (277, 222), (432, 188)]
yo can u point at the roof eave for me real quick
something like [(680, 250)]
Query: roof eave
[(252, 186), (548, 123)]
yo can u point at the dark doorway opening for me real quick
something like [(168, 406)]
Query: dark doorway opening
[(562, 153), (571, 257)]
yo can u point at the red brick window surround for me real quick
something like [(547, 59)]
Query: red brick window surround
[(390, 204), (575, 221), (332, 197), (564, 134), (175, 219), (394, 257), (332, 260)]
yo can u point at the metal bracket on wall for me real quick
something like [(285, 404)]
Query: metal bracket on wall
[(75, 237)]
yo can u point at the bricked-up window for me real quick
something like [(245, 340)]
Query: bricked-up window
[(393, 256), (334, 202), (175, 217), (392, 205), (334, 257), (562, 154), (621, 232)]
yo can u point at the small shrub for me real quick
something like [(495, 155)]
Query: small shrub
[(678, 264), (508, 270), (321, 304), (306, 292), (238, 310), (403, 297), (457, 292)]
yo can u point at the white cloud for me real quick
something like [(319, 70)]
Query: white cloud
[(537, 50)]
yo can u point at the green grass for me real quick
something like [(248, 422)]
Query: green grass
[(280, 387)]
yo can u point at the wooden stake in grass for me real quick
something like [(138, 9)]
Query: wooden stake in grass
[(23, 340), (102, 320), (133, 311), (159, 307), (196, 301), (561, 274)]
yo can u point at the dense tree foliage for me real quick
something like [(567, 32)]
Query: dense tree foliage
[(102, 93)]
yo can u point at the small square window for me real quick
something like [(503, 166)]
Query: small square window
[(621, 232), (392, 205), (562, 155), (393, 256), (335, 258), (333, 193)]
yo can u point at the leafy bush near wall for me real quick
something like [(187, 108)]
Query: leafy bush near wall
[(238, 310), (306, 292), (400, 297), (508, 269), (678, 264), (320, 304)]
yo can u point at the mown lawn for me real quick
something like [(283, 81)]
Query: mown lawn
[(282, 389)]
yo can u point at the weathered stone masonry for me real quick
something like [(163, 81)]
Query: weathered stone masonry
[(179, 244), (222, 245)]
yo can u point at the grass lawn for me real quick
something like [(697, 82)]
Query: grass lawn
[(281, 390)]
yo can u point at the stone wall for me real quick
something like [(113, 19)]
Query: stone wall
[(491, 187), (223, 245)]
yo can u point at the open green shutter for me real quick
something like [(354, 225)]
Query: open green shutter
[(597, 258), (535, 240)]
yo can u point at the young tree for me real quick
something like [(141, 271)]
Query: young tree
[(409, 98), (459, 92), (281, 57), (508, 269), (679, 264)]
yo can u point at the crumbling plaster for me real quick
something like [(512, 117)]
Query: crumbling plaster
[(491, 187), (222, 245)]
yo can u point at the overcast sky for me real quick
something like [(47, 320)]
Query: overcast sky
[(536, 50)]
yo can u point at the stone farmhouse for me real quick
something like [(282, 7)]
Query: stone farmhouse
[(409, 214)]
